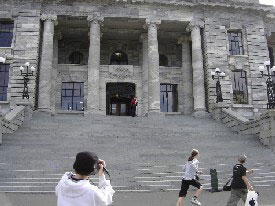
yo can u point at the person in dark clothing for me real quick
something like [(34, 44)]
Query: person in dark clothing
[(240, 183), (133, 106)]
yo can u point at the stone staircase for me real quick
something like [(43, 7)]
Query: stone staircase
[(142, 154)]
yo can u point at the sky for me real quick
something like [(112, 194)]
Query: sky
[(269, 2)]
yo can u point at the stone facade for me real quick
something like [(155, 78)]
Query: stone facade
[(191, 34)]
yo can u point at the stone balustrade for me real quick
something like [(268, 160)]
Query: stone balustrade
[(11, 121), (263, 126)]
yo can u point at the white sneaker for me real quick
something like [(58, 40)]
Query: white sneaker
[(195, 201)]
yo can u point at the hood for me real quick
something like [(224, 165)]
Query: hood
[(71, 188)]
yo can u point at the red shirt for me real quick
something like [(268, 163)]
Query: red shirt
[(134, 102)]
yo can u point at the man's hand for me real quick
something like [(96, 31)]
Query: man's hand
[(101, 164), (249, 171)]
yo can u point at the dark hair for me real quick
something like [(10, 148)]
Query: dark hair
[(85, 163), (194, 153)]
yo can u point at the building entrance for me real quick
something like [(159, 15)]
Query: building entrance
[(118, 98)]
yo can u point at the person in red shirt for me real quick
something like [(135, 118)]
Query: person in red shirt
[(133, 106)]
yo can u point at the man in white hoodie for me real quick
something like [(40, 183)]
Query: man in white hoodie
[(76, 189)]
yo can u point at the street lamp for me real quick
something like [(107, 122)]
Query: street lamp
[(26, 78), (217, 74), (269, 83)]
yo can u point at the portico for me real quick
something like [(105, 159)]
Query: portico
[(150, 53)]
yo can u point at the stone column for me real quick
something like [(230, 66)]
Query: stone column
[(57, 37), (187, 75), (153, 65), (1, 125), (144, 41), (198, 72), (46, 63), (92, 106)]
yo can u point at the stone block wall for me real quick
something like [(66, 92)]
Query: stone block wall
[(25, 49), (216, 47)]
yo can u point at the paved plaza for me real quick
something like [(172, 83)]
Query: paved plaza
[(136, 199), (144, 156)]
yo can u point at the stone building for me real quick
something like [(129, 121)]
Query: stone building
[(93, 56)]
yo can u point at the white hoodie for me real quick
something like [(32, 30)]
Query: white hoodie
[(81, 193), (191, 168)]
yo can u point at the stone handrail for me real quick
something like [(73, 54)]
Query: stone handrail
[(240, 124), (263, 126), (12, 120)]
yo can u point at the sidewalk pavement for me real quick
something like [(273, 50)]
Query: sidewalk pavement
[(267, 198)]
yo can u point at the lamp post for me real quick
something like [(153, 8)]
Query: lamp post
[(217, 75), (269, 83), (26, 78)]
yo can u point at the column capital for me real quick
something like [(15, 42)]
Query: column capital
[(49, 17), (194, 24), (151, 22), (143, 36), (95, 18), (182, 39), (58, 34)]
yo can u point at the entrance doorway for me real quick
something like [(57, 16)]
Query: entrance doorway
[(118, 98)]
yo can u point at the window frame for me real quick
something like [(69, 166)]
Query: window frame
[(174, 92), (241, 42), (6, 67), (11, 31), (81, 95), (233, 82)]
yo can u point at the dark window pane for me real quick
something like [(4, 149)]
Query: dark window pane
[(4, 81), (168, 98), (239, 85), (235, 43), (72, 96), (6, 34), (119, 58)]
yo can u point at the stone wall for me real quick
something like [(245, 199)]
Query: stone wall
[(216, 46), (25, 48)]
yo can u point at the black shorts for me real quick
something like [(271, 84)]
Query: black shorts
[(185, 186)]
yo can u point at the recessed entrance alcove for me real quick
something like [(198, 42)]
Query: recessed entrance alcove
[(118, 98)]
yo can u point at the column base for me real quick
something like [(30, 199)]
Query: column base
[(93, 113), (46, 110), (201, 115), (156, 114)]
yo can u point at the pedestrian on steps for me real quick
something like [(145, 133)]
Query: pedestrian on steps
[(240, 183), (76, 189), (191, 171), (133, 106)]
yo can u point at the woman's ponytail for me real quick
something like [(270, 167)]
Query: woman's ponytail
[(194, 153)]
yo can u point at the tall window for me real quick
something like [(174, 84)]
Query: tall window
[(235, 43), (119, 58), (163, 60), (239, 84), (72, 96), (168, 98), (6, 34), (271, 56), (75, 57), (4, 81)]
